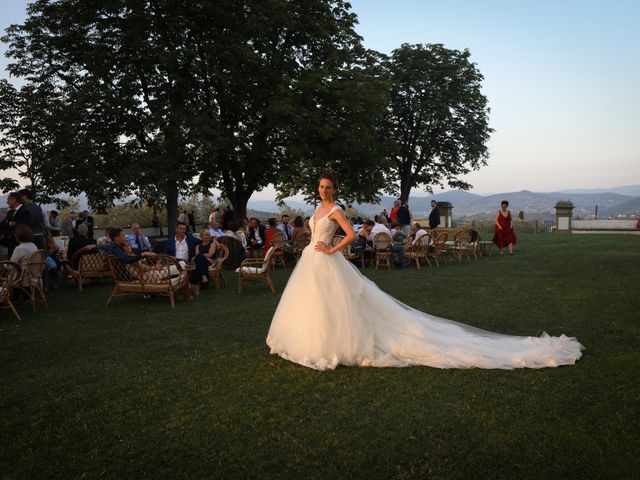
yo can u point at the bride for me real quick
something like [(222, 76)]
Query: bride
[(330, 314)]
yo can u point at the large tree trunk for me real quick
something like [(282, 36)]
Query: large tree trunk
[(171, 192), (405, 185), (239, 204)]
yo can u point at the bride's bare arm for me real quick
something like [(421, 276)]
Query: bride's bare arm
[(339, 217)]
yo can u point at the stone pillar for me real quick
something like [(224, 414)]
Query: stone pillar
[(564, 213), (446, 210)]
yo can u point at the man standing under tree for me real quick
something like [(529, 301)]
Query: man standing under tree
[(404, 218), (434, 216)]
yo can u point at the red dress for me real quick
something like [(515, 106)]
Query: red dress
[(393, 214), (502, 238)]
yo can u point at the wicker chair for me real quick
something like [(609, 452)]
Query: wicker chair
[(161, 275), (419, 251), (439, 247), (484, 247), (463, 246), (215, 270), (277, 241), (382, 243), (348, 253), (300, 242), (91, 263), (256, 269), (10, 276), (32, 278)]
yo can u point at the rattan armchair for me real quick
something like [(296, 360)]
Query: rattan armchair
[(419, 251), (439, 247), (10, 277), (32, 278), (300, 242), (277, 241), (256, 269), (215, 270), (382, 243), (463, 246), (160, 275), (91, 263)]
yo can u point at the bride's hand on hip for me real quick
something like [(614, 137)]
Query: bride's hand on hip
[(323, 247)]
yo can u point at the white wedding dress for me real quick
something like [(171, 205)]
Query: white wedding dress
[(330, 314)]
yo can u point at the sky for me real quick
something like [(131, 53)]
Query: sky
[(562, 78)]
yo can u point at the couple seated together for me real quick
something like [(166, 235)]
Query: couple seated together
[(184, 248)]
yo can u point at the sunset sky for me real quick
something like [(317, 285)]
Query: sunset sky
[(562, 78)]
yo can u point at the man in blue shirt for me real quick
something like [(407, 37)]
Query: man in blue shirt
[(138, 242)]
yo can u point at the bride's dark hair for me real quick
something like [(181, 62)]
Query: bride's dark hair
[(331, 176)]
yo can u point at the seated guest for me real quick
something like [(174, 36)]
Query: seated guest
[(214, 229), (365, 231), (257, 235), (417, 233), (79, 242), (24, 249), (203, 258), (234, 232), (52, 276), (181, 246), (120, 247), (271, 231), (104, 241), (298, 226), (138, 242), (285, 229), (399, 237), (307, 228), (380, 226)]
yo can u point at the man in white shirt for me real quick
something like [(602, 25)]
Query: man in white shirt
[(379, 227), (419, 232)]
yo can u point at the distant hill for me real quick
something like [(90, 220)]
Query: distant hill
[(630, 190), (535, 205), (629, 207)]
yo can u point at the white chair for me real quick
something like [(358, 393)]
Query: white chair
[(256, 269)]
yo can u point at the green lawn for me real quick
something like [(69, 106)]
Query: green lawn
[(138, 390)]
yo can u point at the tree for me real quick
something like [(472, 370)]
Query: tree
[(339, 128), (167, 98), (286, 96), (26, 116), (437, 118)]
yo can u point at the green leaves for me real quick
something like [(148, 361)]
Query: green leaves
[(437, 121)]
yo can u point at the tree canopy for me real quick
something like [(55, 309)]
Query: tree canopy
[(166, 99), (162, 98), (437, 121)]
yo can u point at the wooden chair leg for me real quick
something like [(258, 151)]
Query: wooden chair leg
[(273, 289), (43, 296), (13, 308), (115, 289)]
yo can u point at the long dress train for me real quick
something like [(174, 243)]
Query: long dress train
[(330, 314)]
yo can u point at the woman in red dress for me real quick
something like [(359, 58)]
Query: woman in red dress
[(271, 231), (504, 236)]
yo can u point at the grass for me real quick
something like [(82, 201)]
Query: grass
[(138, 390)]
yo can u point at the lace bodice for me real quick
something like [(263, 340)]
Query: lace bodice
[(323, 229)]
